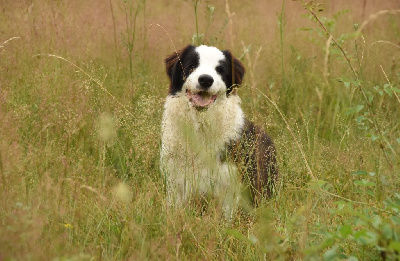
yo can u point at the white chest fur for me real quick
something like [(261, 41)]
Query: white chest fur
[(192, 143)]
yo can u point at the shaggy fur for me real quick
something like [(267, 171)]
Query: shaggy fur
[(208, 147)]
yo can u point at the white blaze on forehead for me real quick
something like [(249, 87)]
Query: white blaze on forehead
[(209, 56)]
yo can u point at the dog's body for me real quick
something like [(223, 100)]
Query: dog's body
[(206, 140)]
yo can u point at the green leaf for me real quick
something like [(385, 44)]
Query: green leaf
[(359, 172), (372, 136), (340, 204), (395, 245), (364, 237), (332, 254), (370, 97), (359, 107), (396, 220), (360, 119), (317, 183), (389, 92), (387, 231), (360, 233), (349, 110), (353, 110), (370, 192), (236, 234), (378, 90), (376, 221), (364, 183), (345, 230), (387, 88), (392, 203), (398, 140)]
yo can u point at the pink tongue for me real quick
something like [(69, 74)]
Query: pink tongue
[(203, 100)]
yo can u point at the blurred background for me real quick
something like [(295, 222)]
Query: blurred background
[(82, 86)]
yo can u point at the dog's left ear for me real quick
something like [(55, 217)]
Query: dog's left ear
[(237, 68), (237, 71)]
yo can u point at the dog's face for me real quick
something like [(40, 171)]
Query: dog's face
[(203, 74)]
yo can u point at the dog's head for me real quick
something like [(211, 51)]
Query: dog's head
[(203, 74)]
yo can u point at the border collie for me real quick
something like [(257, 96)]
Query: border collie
[(208, 147)]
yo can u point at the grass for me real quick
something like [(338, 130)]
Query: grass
[(80, 130)]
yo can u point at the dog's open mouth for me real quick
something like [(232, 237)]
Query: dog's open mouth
[(202, 99)]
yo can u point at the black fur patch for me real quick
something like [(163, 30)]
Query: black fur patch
[(255, 157), (234, 71), (179, 66)]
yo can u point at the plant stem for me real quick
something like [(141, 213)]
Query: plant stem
[(3, 178), (197, 24), (115, 33), (281, 17), (337, 44), (128, 43)]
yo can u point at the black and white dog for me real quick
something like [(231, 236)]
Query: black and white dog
[(208, 146)]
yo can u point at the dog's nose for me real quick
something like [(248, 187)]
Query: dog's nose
[(205, 81)]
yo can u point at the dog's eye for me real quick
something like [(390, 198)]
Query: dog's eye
[(219, 69), (191, 67)]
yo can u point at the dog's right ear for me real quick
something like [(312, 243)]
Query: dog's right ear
[(175, 70), (174, 62), (171, 61)]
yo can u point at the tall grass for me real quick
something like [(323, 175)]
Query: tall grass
[(81, 98)]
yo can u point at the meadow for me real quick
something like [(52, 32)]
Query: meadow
[(82, 86)]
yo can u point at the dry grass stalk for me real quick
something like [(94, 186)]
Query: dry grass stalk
[(384, 42), (115, 33), (5, 42), (374, 17), (252, 67), (230, 18), (326, 60), (387, 79)]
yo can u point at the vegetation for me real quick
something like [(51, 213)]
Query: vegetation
[(82, 85)]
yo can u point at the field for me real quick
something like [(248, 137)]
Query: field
[(82, 86)]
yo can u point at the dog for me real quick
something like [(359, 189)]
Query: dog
[(208, 147)]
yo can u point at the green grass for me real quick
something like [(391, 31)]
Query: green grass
[(80, 130)]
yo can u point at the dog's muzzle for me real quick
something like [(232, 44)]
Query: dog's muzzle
[(201, 99)]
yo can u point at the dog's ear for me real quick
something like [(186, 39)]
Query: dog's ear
[(236, 67), (237, 71), (174, 61), (171, 61), (175, 70)]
